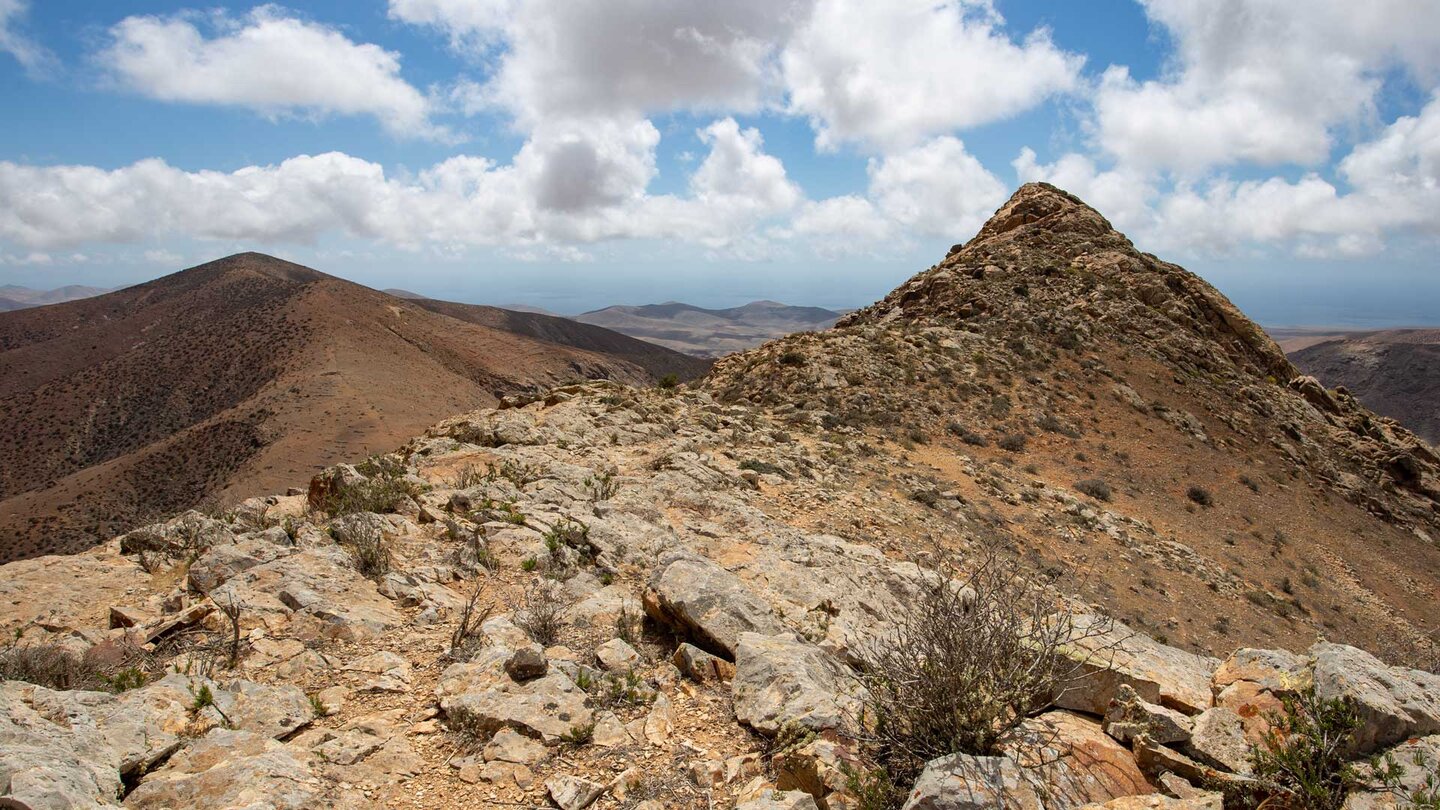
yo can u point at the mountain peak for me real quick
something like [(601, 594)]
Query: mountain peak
[(1045, 204)]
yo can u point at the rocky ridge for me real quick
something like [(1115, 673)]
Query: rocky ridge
[(612, 597)]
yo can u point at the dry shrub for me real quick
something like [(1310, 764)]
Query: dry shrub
[(973, 658), (541, 615), (50, 666), (472, 616), (372, 555)]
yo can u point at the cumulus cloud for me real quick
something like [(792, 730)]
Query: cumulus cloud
[(1261, 81), (269, 62), (534, 202), (31, 55), (623, 58), (892, 74), (937, 189)]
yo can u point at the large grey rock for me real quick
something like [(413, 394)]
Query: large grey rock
[(222, 562), (481, 697), (1202, 800), (271, 711), (780, 679), (616, 656), (1219, 739), (1074, 760), (1394, 703), (228, 770), (320, 588), (964, 782), (1252, 683), (709, 603), (189, 533), (1110, 654)]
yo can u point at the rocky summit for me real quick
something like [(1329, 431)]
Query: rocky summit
[(607, 596)]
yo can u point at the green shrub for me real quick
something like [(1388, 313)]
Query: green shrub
[(1012, 442), (1304, 760), (1095, 488)]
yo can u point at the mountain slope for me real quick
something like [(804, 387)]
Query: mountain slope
[(1395, 373), (656, 359), (242, 374), (16, 297), (1049, 355), (710, 332)]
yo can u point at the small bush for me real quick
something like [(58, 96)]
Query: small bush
[(1012, 442), (1095, 488), (472, 616), (50, 666), (579, 734), (792, 358), (969, 661), (763, 468), (1304, 761), (1251, 483), (1200, 495), (669, 382), (368, 549), (542, 613)]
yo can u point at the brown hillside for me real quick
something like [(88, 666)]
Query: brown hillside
[(1048, 352), (1395, 372), (237, 376)]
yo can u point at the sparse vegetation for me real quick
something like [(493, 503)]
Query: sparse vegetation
[(472, 616), (1095, 488), (763, 467), (791, 358), (669, 382), (541, 614), (1012, 442), (48, 665), (385, 487), (369, 550), (975, 656), (1200, 495)]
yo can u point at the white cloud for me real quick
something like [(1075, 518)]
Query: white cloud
[(620, 58), (563, 187), (848, 225), (269, 62), (891, 74), (1261, 81), (1124, 195), (937, 189), (31, 55)]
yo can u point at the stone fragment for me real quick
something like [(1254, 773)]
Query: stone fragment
[(781, 679), (527, 663), (230, 770), (701, 666), (573, 793), (1128, 717), (1394, 703), (1219, 740), (616, 656), (1109, 654), (780, 800)]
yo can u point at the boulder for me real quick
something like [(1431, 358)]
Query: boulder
[(708, 603), (1107, 654), (1205, 800), (509, 746), (1129, 717), (1219, 739), (481, 697), (527, 663), (780, 680), (965, 782), (1394, 703), (1075, 760), (41, 591), (190, 533), (227, 770), (321, 587)]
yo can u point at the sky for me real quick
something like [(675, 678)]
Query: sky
[(572, 154)]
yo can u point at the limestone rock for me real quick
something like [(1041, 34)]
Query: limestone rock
[(701, 666), (701, 598), (1219, 740), (964, 782), (527, 663), (1394, 703), (1075, 760), (508, 746), (1108, 657), (616, 656), (480, 696), (572, 792), (228, 770), (1205, 800), (1129, 717), (1419, 761), (780, 800), (320, 585), (780, 679)]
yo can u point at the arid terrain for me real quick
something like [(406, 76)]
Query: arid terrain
[(710, 332), (1395, 372), (611, 596), (15, 297), (244, 375)]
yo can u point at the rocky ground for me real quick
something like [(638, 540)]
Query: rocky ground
[(701, 653)]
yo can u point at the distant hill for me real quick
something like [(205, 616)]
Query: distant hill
[(243, 375), (1395, 372), (710, 332), (14, 297), (399, 293)]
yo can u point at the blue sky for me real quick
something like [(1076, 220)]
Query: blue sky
[(571, 154)]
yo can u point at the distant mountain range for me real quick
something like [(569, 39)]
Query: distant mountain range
[(1395, 372), (710, 332), (13, 297), (246, 375)]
